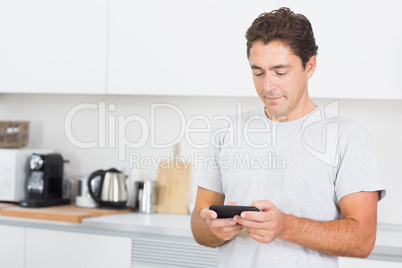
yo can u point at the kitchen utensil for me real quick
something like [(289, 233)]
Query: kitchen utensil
[(67, 213), (148, 197), (84, 198), (173, 186), (113, 189), (138, 188), (45, 182), (132, 186)]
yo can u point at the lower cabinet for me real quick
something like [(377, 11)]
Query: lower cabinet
[(61, 249), (171, 251), (28, 247), (12, 251)]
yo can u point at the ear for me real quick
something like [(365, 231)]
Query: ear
[(310, 66)]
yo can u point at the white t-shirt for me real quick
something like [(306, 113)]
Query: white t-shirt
[(304, 167)]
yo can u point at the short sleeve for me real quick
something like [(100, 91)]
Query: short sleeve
[(358, 168), (209, 176)]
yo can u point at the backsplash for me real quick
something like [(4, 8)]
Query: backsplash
[(103, 131)]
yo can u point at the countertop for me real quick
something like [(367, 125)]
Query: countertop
[(119, 224), (388, 244), (156, 223)]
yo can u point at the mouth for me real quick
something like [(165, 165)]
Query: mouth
[(273, 98)]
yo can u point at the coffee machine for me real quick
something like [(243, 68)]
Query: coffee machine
[(45, 181)]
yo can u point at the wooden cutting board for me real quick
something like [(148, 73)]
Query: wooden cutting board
[(6, 205), (67, 213), (173, 187)]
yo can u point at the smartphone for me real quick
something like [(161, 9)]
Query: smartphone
[(231, 211)]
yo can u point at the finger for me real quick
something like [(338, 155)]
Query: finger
[(234, 228), (260, 232), (206, 213), (218, 223), (259, 238), (263, 205), (249, 223), (232, 203), (229, 234), (255, 216)]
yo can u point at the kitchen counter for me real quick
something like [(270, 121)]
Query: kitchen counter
[(120, 224), (388, 245), (157, 223)]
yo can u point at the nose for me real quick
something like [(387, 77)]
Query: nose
[(268, 83)]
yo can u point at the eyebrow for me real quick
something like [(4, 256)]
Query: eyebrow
[(280, 66)]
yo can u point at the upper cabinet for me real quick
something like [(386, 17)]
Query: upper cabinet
[(189, 47), (181, 47), (359, 50), (51, 46)]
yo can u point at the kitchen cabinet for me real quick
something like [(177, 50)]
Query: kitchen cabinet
[(123, 240), (63, 249), (366, 263), (53, 46), (12, 240), (171, 252), (189, 48), (181, 47), (359, 47)]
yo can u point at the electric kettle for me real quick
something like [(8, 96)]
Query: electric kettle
[(113, 190)]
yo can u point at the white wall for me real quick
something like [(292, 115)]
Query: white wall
[(47, 114)]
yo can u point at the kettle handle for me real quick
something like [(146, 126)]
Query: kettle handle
[(90, 178)]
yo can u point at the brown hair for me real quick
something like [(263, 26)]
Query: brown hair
[(294, 30)]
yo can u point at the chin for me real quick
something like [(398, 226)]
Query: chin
[(275, 111)]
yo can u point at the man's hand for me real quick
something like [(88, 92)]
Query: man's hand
[(263, 226), (353, 235), (224, 229)]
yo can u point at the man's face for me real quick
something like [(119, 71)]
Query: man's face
[(280, 80)]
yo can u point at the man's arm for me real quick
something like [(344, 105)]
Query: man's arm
[(207, 229), (353, 235)]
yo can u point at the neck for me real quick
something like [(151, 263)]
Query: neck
[(302, 109)]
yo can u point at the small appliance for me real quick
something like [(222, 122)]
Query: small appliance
[(83, 198), (147, 196), (45, 181), (112, 188), (14, 172), (138, 189)]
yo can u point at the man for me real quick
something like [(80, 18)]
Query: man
[(312, 174)]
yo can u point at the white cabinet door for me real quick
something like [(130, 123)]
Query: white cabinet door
[(171, 252), (181, 47), (12, 246), (366, 263), (49, 249), (51, 46), (359, 51)]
